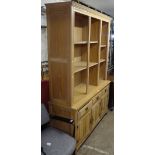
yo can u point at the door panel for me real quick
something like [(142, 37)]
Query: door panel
[(83, 128), (95, 113)]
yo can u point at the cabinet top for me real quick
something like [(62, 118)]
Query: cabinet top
[(77, 7)]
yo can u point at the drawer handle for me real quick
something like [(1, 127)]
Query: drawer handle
[(86, 109), (105, 90), (97, 97)]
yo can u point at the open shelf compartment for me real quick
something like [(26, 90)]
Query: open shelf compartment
[(81, 29), (94, 51), (103, 54), (93, 75), (94, 35), (102, 70), (80, 57), (80, 79), (104, 36)]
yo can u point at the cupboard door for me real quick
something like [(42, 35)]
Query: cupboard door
[(102, 109), (83, 127), (106, 100), (95, 113)]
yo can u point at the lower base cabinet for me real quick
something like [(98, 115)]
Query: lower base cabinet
[(85, 118)]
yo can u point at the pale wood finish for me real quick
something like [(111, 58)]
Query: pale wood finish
[(93, 75), (102, 70), (83, 127), (80, 98), (81, 28), (107, 52), (94, 53), (88, 52), (95, 113), (58, 72), (78, 43), (94, 30), (103, 53), (104, 33), (90, 12)]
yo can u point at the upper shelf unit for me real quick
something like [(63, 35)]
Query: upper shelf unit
[(77, 46)]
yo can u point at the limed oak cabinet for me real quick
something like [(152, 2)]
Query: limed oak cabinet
[(78, 43)]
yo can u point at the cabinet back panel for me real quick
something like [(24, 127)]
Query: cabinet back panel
[(103, 53), (104, 33), (80, 53), (93, 75), (94, 30), (80, 77), (102, 70), (80, 28), (94, 53)]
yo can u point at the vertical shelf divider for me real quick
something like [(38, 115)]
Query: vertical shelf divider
[(99, 51), (88, 52), (72, 55), (107, 52)]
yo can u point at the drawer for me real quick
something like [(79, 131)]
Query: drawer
[(105, 91), (97, 97), (85, 109)]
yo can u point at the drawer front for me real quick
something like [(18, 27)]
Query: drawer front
[(96, 98), (85, 109), (105, 91)]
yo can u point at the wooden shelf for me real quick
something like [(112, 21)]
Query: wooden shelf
[(102, 60), (103, 46), (93, 42), (91, 64), (80, 42), (85, 42), (79, 66)]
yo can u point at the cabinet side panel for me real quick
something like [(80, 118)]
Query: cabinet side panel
[(58, 26), (59, 47), (59, 83)]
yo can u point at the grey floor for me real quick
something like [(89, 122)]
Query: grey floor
[(101, 140)]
